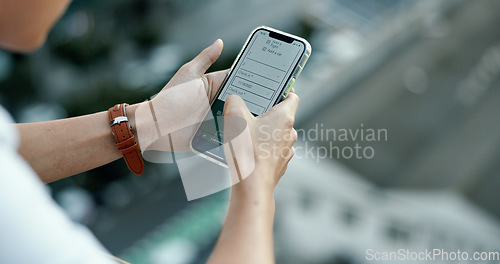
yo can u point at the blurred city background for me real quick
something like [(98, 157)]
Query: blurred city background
[(425, 71)]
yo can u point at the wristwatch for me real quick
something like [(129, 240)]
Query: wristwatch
[(125, 139)]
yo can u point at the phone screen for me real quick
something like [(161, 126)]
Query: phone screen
[(262, 70), (258, 77)]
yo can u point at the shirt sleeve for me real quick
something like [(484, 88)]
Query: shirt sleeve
[(33, 228)]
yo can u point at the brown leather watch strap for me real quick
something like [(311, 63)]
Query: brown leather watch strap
[(124, 139)]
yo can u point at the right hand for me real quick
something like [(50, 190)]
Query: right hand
[(272, 136)]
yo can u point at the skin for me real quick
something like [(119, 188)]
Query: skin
[(246, 236), (24, 25), (61, 148)]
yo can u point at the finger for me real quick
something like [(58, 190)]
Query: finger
[(292, 90), (200, 64), (214, 80), (291, 154), (289, 105), (281, 173), (235, 106)]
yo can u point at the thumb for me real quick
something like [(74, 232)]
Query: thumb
[(236, 119), (235, 106), (206, 58)]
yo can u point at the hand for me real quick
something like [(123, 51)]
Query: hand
[(272, 136), (181, 104), (196, 68)]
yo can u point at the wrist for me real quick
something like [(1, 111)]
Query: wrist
[(258, 186), (125, 140)]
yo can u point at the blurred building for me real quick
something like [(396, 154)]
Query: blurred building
[(425, 72), (327, 213)]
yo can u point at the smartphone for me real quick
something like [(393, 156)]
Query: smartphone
[(262, 75)]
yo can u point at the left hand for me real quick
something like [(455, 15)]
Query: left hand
[(196, 68), (181, 104)]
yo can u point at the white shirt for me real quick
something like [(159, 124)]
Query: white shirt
[(33, 228)]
